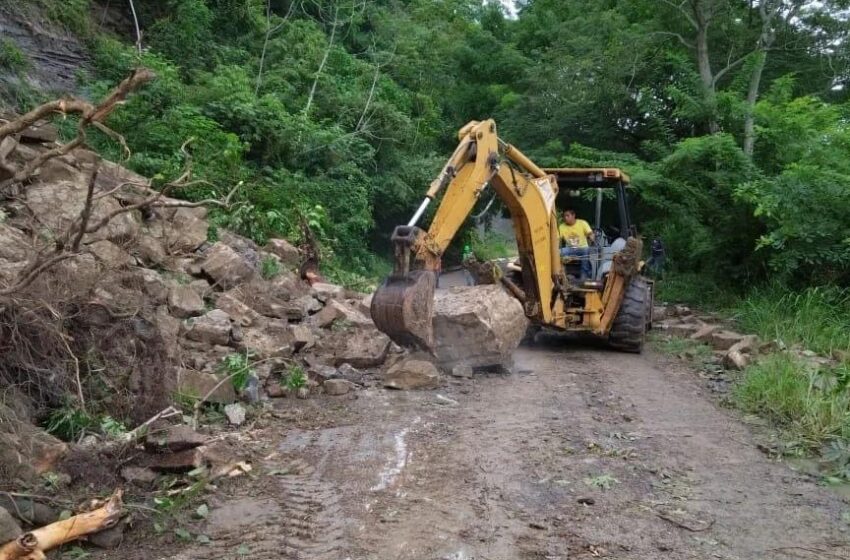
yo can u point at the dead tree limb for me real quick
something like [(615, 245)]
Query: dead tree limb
[(33, 545)]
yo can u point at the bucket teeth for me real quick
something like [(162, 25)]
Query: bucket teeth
[(403, 306)]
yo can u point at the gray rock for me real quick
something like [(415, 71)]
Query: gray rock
[(111, 255), (338, 387), (325, 292), (364, 348)]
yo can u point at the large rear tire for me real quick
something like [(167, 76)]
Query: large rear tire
[(628, 332)]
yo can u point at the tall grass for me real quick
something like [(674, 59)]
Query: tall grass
[(695, 289), (811, 405), (818, 319)]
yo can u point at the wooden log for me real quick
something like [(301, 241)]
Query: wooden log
[(32, 545)]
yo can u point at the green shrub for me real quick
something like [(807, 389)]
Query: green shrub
[(269, 267)]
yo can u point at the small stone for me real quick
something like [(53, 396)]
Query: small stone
[(235, 414), (586, 501), (350, 373), (302, 337), (338, 386), (412, 374), (139, 476), (111, 255), (178, 437), (462, 370), (724, 340)]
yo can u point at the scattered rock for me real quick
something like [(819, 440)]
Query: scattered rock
[(149, 250), (177, 437), (235, 414), (226, 267), (302, 337), (152, 284), (335, 310), (201, 287), (703, 334), (724, 340), (272, 339), (285, 251), (198, 384), (184, 302), (676, 327), (299, 308), (211, 328), (364, 348), (39, 132), (740, 355), (338, 386), (350, 373), (27, 511), (478, 325), (111, 255), (186, 230), (412, 374), (462, 370), (325, 292), (140, 476), (238, 311), (9, 528), (110, 538)]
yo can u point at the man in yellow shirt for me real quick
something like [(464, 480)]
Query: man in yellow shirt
[(575, 235)]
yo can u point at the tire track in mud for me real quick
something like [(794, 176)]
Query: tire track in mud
[(301, 520)]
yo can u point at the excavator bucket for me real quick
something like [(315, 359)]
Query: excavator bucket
[(403, 306)]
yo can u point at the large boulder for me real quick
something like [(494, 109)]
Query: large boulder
[(477, 325), (226, 267), (14, 245)]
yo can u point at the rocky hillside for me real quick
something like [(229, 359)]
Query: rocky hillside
[(152, 311)]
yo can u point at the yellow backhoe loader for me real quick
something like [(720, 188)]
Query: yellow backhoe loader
[(616, 303)]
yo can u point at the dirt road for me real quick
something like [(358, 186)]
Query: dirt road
[(580, 453)]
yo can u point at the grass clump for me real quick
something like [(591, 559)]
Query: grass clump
[(811, 405), (491, 245), (817, 319), (12, 58), (699, 290)]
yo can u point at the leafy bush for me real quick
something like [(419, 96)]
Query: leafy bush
[(269, 267)]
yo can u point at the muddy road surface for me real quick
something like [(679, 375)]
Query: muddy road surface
[(579, 453)]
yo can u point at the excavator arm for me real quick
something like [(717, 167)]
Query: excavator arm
[(403, 306)]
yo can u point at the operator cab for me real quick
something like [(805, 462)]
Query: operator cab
[(599, 196)]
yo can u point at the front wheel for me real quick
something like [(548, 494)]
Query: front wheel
[(629, 329)]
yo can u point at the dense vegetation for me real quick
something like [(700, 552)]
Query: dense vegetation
[(732, 116)]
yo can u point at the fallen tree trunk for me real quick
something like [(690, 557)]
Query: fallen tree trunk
[(32, 545)]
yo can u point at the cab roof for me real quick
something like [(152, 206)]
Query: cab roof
[(577, 177)]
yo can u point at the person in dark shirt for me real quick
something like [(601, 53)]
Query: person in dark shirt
[(655, 264)]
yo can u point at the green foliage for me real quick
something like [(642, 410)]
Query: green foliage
[(269, 267), (237, 367), (811, 405), (74, 15), (492, 245), (12, 58), (69, 422)]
